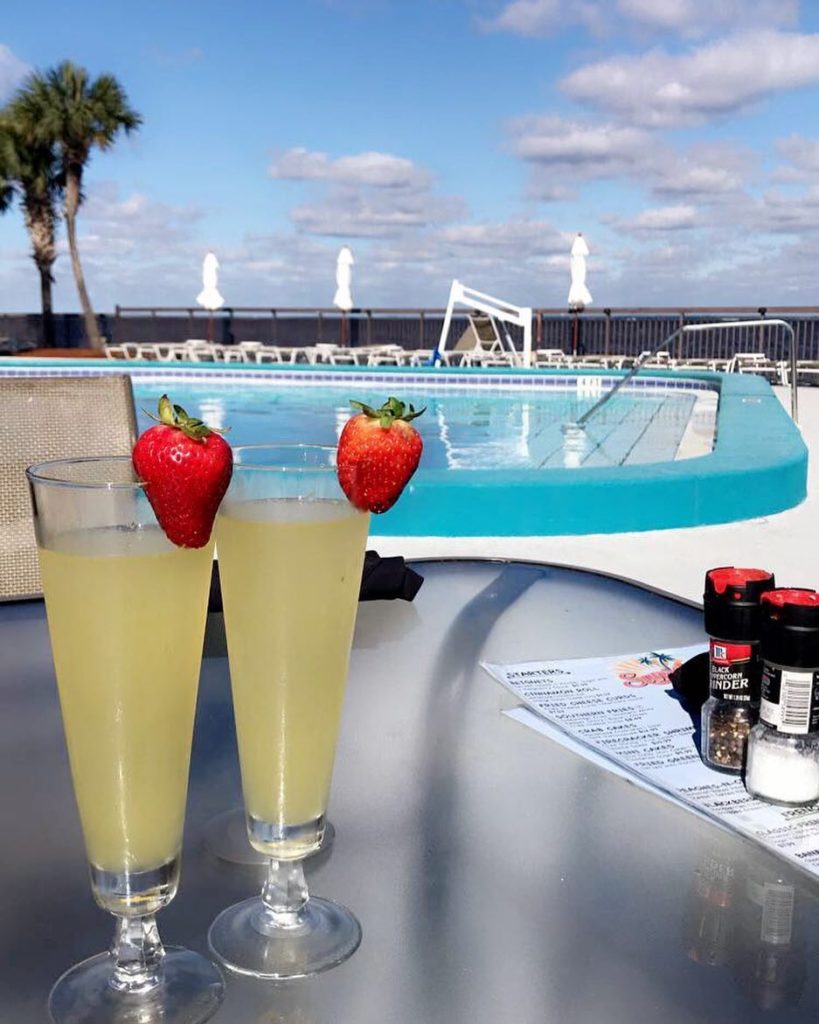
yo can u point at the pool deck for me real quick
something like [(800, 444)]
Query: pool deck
[(670, 560)]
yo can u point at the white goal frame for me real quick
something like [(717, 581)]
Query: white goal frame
[(498, 309)]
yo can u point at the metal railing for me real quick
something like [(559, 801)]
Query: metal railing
[(624, 331), (693, 329)]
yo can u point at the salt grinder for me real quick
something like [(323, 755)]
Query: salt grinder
[(783, 748), (732, 621)]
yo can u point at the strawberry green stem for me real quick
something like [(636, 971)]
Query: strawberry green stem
[(175, 416), (393, 409)]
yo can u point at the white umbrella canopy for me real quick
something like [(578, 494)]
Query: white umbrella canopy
[(210, 297), (579, 294), (343, 300)]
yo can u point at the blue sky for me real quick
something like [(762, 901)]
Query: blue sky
[(441, 138)]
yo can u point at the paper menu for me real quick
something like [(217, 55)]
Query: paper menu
[(623, 713)]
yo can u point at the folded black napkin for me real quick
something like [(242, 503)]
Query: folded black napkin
[(690, 681), (388, 579), (382, 579)]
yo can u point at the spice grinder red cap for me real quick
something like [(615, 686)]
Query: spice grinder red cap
[(731, 602), (790, 627)]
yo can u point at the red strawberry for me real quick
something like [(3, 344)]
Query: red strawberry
[(378, 452), (186, 468)]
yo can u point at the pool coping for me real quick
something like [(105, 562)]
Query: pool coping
[(758, 465)]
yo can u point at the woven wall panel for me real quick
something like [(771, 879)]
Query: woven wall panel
[(45, 418)]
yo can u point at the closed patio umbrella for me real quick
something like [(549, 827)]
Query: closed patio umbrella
[(579, 294), (342, 299), (210, 298)]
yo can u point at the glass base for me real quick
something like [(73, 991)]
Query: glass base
[(326, 934), (190, 993), (135, 893), (226, 838)]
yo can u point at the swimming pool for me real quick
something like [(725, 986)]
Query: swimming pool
[(463, 429), (496, 461)]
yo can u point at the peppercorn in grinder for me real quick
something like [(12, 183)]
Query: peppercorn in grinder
[(733, 622)]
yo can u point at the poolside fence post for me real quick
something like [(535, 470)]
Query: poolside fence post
[(606, 331), (578, 345), (680, 336)]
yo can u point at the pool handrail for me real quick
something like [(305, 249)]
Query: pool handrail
[(692, 329)]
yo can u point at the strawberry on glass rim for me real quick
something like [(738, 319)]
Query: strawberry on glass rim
[(186, 468), (378, 451)]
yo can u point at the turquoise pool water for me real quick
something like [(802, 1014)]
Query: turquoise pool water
[(526, 477), (462, 429)]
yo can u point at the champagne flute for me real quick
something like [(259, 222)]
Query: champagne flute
[(291, 549), (126, 615)]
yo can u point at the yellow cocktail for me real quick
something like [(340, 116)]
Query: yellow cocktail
[(291, 572), (126, 615), (291, 550)]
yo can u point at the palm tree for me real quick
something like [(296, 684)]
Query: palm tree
[(64, 107), (31, 173)]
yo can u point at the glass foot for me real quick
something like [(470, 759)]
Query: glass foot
[(226, 838), (190, 993), (325, 934)]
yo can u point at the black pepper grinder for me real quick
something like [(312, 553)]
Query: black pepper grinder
[(733, 623)]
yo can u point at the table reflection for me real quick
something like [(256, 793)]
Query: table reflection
[(744, 916)]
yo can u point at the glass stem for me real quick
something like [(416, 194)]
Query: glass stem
[(137, 952), (284, 894)]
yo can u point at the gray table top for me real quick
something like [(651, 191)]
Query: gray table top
[(496, 874)]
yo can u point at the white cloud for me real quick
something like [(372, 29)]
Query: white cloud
[(347, 213), (380, 170), (371, 195), (657, 219), (12, 72), (134, 250), (695, 17), (545, 17), (803, 156), (134, 226), (697, 181), (564, 153), (550, 191), (786, 212), (660, 89), (587, 148), (685, 17), (703, 170), (513, 237)]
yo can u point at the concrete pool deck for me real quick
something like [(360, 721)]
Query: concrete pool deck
[(671, 560)]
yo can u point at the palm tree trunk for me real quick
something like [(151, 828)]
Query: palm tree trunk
[(72, 202), (47, 307), (39, 217)]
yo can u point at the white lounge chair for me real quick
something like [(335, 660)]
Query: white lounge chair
[(335, 355), (759, 363), (554, 357), (387, 355), (248, 350), (198, 350)]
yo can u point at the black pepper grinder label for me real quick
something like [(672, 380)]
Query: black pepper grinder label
[(734, 671), (790, 699)]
